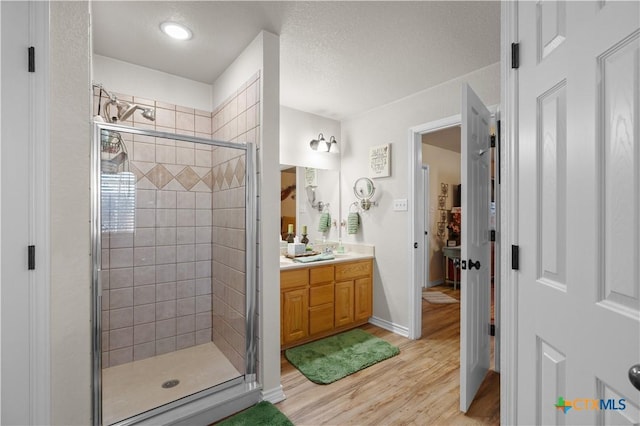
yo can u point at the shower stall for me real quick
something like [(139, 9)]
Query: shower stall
[(174, 281)]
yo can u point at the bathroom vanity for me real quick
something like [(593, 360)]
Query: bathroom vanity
[(325, 297)]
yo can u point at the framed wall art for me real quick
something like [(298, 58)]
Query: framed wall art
[(380, 161)]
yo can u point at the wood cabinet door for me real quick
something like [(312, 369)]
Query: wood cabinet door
[(295, 315), (363, 299), (344, 303)]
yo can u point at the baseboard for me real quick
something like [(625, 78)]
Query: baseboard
[(388, 325), (274, 395), (435, 283)]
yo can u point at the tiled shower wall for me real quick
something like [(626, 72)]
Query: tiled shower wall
[(157, 281), (236, 120)]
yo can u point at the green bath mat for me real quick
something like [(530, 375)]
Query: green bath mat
[(330, 359), (262, 414)]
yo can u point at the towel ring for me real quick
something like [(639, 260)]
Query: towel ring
[(354, 204)]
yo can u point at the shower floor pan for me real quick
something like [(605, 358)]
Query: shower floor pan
[(133, 388)]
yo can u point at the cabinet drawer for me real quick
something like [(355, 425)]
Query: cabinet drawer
[(320, 318), (321, 294), (346, 271), (321, 274), (295, 278)]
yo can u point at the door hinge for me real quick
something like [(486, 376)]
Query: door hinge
[(31, 262), (492, 330), (515, 257), (32, 59), (492, 235), (492, 141), (515, 55)]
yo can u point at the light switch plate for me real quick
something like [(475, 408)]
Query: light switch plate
[(400, 205)]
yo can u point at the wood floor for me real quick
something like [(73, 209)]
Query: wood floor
[(420, 386)]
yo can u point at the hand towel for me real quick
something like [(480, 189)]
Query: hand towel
[(316, 258), (325, 222), (353, 223)]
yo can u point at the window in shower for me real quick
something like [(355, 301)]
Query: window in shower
[(173, 282)]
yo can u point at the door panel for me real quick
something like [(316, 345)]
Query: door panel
[(579, 211), (344, 303), (474, 282)]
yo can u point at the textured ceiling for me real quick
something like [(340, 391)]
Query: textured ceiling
[(337, 59)]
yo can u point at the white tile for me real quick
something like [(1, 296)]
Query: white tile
[(203, 252), (121, 298), (144, 152), (121, 258), (120, 278), (203, 158), (186, 253), (144, 275), (185, 217), (144, 256), (185, 340), (185, 156), (203, 286), (203, 321), (203, 303), (165, 154), (165, 310), (165, 217), (166, 273), (145, 198), (144, 333), (186, 306), (203, 336), (104, 259), (166, 199), (145, 218), (185, 289), (203, 200), (185, 121), (203, 269), (164, 346), (203, 217), (186, 235), (144, 237), (185, 271), (143, 295), (185, 324), (203, 124), (144, 350), (120, 356), (165, 254), (165, 292), (165, 118), (121, 240), (186, 200), (165, 236), (203, 234), (120, 318), (144, 313)]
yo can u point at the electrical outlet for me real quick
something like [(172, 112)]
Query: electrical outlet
[(400, 205)]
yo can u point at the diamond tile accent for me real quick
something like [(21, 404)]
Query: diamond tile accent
[(209, 180), (228, 175), (136, 171), (240, 169), (219, 177), (188, 178), (160, 176)]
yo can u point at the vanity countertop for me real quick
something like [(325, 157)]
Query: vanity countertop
[(287, 264)]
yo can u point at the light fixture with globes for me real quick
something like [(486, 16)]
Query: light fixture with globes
[(321, 144)]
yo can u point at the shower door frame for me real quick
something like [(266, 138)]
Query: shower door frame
[(246, 383)]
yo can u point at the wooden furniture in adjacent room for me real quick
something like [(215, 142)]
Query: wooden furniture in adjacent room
[(318, 301)]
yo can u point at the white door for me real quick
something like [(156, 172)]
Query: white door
[(426, 219), (475, 252), (579, 212)]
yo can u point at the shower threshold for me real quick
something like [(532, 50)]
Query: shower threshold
[(132, 388)]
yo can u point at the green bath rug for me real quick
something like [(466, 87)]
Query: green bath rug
[(330, 359), (262, 414)]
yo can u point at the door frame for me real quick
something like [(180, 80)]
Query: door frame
[(425, 219), (416, 234), (38, 189)]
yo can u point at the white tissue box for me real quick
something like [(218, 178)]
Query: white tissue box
[(294, 249)]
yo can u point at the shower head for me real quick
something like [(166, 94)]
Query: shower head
[(125, 110)]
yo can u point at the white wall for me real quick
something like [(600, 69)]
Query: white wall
[(297, 129), (383, 227), (263, 54), (123, 77), (444, 167), (70, 215)]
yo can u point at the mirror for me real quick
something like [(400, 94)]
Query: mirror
[(316, 190), (364, 190)]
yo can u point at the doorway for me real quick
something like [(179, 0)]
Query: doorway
[(439, 217)]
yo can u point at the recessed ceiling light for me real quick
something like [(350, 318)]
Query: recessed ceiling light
[(177, 31)]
